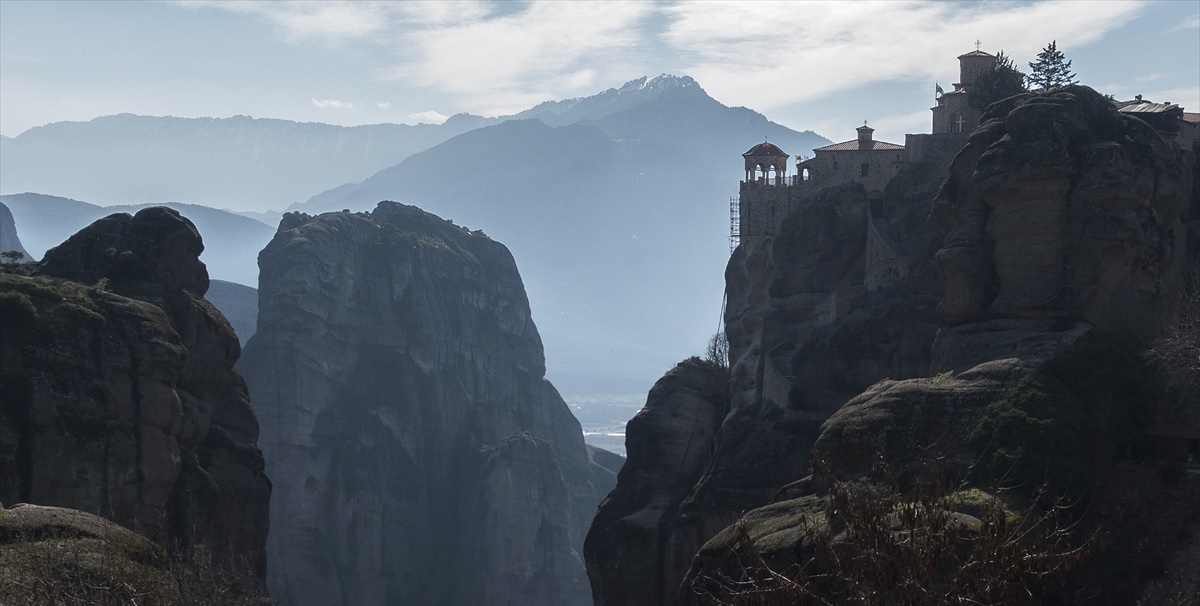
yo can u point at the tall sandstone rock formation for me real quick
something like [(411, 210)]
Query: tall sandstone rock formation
[(1056, 247), (419, 456), (789, 371), (9, 240), (119, 394)]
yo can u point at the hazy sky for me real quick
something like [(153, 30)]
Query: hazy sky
[(808, 65)]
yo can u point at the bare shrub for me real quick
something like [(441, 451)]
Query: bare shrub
[(875, 544), (717, 351)]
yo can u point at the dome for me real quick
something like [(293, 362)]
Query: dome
[(766, 149)]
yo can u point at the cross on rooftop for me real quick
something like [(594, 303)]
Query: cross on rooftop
[(977, 44)]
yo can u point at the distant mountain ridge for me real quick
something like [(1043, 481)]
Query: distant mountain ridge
[(262, 163), (616, 208), (615, 204), (629, 95), (231, 242)]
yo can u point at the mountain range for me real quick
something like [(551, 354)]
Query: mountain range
[(245, 163), (231, 241), (614, 205)]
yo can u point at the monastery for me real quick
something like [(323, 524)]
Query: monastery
[(768, 193)]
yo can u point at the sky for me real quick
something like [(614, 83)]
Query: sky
[(822, 66)]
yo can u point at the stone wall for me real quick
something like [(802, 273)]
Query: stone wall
[(936, 147), (843, 167), (762, 208)]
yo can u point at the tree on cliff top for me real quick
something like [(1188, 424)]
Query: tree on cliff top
[(1051, 69), (1001, 82)]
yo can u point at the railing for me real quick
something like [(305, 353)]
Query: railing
[(788, 181)]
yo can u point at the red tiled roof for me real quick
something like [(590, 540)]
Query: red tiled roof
[(765, 149), (853, 145), (1147, 107), (1192, 117), (976, 53)]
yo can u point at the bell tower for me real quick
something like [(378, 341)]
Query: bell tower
[(766, 166)]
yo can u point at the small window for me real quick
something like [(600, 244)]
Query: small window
[(835, 165), (866, 170)]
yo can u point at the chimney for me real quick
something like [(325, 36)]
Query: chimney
[(864, 135)]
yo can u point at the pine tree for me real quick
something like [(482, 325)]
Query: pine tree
[(1001, 82), (1051, 70)]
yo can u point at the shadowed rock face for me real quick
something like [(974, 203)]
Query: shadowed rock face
[(1063, 252), (1064, 246), (637, 542), (1060, 208), (788, 373), (120, 397), (418, 454), (8, 232), (1059, 241)]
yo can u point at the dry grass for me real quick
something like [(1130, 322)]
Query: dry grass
[(61, 557)]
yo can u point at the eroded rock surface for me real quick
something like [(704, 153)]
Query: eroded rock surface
[(638, 541), (419, 455), (120, 397), (9, 240), (1060, 208), (805, 335), (1056, 248)]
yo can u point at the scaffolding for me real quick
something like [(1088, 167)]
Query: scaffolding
[(735, 223)]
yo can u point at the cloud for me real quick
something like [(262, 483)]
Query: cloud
[(383, 105), (766, 55), (500, 63), (1192, 22), (329, 21), (1188, 97), (331, 104), (496, 58), (492, 57), (429, 117)]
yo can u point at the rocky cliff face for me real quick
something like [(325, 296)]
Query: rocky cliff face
[(805, 335), (418, 454), (8, 232), (641, 538), (120, 397), (1054, 250)]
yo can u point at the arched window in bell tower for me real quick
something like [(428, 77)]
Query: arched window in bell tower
[(766, 165)]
